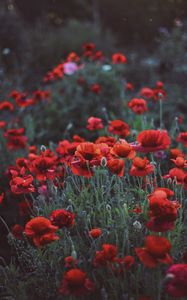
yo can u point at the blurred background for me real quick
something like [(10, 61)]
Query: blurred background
[(35, 35)]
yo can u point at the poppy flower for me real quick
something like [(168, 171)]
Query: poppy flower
[(180, 162), (175, 152), (116, 166), (89, 47), (182, 138), (129, 86), (17, 231), (6, 105), (155, 251), (109, 140), (62, 218), (70, 262), (119, 127), (90, 152), (77, 138), (94, 124), (159, 94), (162, 212), (42, 166), (76, 283), (138, 106), (15, 139), (73, 57), (95, 232), (141, 167), (95, 88), (176, 279), (22, 185), (152, 140), (119, 58), (41, 231), (81, 167), (177, 174), (2, 124), (147, 93), (106, 256), (123, 149)]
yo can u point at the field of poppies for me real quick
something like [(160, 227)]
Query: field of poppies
[(92, 186)]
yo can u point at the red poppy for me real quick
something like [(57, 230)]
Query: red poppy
[(155, 251), (94, 124), (89, 152), (17, 231), (182, 138), (123, 149), (180, 162), (22, 185), (119, 58), (116, 166), (81, 167), (163, 213), (73, 57), (128, 261), (129, 86), (105, 256), (6, 105), (15, 139), (78, 139), (141, 167), (62, 218), (41, 231), (152, 140), (89, 47), (2, 124), (176, 279), (119, 127), (138, 106), (159, 94), (176, 174), (175, 152), (70, 262), (75, 282), (43, 167), (95, 88), (147, 93), (109, 140), (95, 232), (161, 192)]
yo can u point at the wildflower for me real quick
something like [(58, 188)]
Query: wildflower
[(152, 140), (155, 251), (70, 262), (180, 162), (116, 166), (94, 124), (129, 86), (15, 139), (118, 58), (22, 185), (176, 279), (17, 231), (41, 231), (182, 138), (62, 218), (147, 92), (105, 256), (95, 88), (119, 127), (138, 106), (109, 140), (176, 174), (76, 283), (162, 212), (95, 232), (6, 105), (141, 167), (123, 149), (175, 152)]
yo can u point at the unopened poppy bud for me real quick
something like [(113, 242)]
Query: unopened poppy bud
[(103, 162), (70, 125), (74, 253), (137, 225), (43, 148), (108, 207)]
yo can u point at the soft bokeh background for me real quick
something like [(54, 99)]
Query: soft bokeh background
[(36, 35)]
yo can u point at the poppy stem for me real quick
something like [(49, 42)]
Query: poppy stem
[(161, 114)]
